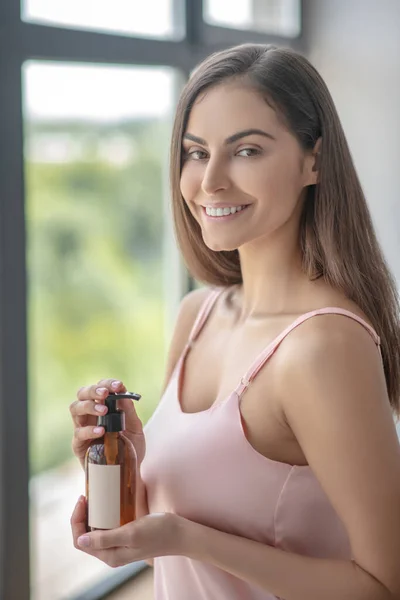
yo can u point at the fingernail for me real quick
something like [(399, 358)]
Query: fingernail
[(98, 430), (78, 504), (100, 391), (84, 541), (115, 384), (100, 408)]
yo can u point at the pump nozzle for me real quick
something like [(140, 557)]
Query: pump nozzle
[(111, 400), (114, 420)]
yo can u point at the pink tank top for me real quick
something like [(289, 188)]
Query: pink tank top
[(202, 467)]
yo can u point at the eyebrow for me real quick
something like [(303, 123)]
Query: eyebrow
[(233, 138)]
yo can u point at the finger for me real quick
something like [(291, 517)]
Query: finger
[(95, 392), (132, 420), (78, 520), (100, 390), (88, 433), (113, 385), (87, 407), (112, 538), (79, 512), (78, 525)]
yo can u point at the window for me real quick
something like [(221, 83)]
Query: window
[(96, 146), (279, 17), (153, 18), (85, 212)]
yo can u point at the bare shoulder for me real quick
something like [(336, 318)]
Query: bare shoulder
[(187, 313), (189, 309), (335, 402), (328, 348), (324, 360), (330, 333)]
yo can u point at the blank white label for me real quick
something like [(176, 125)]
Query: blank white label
[(104, 496)]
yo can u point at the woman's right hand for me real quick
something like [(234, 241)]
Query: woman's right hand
[(90, 404)]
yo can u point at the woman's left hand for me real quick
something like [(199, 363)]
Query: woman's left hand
[(157, 534)]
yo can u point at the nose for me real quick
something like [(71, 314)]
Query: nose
[(215, 178)]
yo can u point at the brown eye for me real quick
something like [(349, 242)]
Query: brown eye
[(248, 152), (196, 155)]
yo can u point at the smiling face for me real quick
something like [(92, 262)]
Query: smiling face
[(243, 172)]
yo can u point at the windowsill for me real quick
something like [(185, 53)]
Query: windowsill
[(140, 588)]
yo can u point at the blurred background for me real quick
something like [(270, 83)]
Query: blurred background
[(90, 274)]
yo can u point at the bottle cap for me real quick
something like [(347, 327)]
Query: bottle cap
[(114, 420)]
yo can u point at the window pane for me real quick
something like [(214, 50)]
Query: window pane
[(155, 18), (279, 17), (96, 145)]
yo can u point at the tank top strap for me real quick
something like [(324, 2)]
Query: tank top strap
[(271, 348), (203, 314)]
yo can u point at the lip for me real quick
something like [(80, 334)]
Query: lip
[(222, 205), (225, 218)]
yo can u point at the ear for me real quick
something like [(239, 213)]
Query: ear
[(313, 164)]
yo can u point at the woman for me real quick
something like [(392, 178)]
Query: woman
[(272, 465)]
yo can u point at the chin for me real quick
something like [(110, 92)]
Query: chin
[(221, 245)]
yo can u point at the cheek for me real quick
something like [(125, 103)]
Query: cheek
[(262, 182), (189, 183), (280, 180)]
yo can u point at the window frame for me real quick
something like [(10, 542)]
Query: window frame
[(21, 41)]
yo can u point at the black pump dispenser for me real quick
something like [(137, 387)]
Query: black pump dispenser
[(114, 420)]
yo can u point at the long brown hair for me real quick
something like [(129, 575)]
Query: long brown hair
[(337, 237)]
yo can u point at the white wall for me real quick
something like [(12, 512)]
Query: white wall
[(355, 45)]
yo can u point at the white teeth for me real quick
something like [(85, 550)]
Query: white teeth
[(222, 212)]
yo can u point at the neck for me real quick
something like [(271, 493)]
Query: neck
[(273, 279)]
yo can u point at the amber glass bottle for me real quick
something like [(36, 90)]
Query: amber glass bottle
[(110, 468)]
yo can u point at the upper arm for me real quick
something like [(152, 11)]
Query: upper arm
[(336, 403), (188, 311)]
